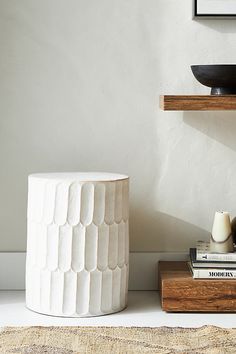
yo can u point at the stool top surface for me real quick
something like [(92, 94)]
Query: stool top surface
[(80, 176)]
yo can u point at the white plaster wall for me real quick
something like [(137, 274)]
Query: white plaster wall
[(79, 86)]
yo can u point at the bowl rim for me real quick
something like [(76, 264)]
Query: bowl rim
[(213, 65)]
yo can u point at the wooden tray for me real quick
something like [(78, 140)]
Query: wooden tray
[(179, 292)]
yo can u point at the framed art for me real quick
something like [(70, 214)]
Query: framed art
[(215, 8)]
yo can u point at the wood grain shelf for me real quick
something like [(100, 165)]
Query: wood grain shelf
[(197, 103), (181, 293)]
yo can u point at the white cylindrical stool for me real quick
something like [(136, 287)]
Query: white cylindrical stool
[(78, 243)]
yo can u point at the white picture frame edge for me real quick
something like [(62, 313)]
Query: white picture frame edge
[(196, 16)]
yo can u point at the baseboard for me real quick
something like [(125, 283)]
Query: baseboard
[(12, 270), (143, 269)]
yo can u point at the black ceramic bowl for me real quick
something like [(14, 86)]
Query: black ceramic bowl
[(221, 78)]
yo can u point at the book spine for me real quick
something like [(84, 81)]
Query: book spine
[(202, 256), (214, 273)]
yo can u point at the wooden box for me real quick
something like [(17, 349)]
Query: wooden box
[(179, 292)]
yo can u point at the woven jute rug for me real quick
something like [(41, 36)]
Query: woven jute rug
[(114, 340)]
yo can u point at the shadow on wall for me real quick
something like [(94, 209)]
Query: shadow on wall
[(219, 25), (164, 232), (220, 126)]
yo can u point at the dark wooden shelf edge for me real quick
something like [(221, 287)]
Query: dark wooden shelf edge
[(197, 103)]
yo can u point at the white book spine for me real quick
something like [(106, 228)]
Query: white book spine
[(221, 257), (214, 273)]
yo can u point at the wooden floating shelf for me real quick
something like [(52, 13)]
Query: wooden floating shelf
[(197, 103)]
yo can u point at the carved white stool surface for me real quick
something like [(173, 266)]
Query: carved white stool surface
[(77, 243)]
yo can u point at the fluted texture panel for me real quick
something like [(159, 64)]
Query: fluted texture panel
[(77, 244)]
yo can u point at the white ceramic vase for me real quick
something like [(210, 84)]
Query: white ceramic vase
[(77, 243), (221, 237)]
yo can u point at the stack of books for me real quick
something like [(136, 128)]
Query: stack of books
[(207, 265)]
